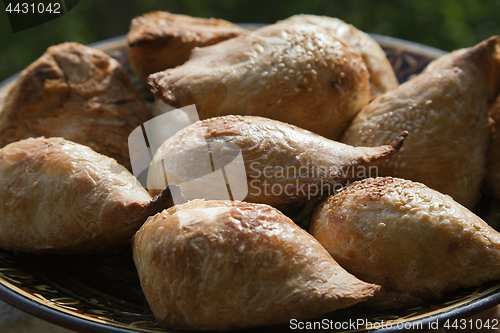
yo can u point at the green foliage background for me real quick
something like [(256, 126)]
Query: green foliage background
[(444, 24)]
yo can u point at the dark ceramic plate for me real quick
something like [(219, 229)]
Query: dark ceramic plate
[(101, 293)]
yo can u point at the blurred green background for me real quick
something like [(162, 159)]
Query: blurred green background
[(444, 24)]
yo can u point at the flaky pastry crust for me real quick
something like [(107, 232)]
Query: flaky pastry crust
[(161, 40), (61, 197), (284, 165), (220, 265), (414, 241), (296, 73)]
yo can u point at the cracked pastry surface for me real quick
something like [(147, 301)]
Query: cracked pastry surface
[(382, 77), (78, 93), (61, 197), (446, 111), (295, 73), (160, 40), (220, 265), (414, 241)]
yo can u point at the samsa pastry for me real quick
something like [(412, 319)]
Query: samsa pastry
[(78, 93), (296, 73), (61, 197), (446, 110), (161, 40), (492, 179), (221, 265), (413, 241), (282, 165), (382, 76)]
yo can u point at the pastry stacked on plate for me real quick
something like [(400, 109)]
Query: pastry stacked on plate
[(310, 104)]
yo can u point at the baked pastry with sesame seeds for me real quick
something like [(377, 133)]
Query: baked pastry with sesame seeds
[(160, 40), (222, 265), (296, 73), (446, 111), (382, 76), (492, 178), (415, 242), (284, 165)]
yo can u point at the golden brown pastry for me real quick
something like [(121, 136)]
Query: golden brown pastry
[(492, 179), (414, 241), (283, 165), (382, 77), (78, 93), (161, 40), (61, 197), (220, 265), (296, 73), (446, 111)]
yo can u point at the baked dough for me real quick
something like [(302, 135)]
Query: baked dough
[(446, 111), (414, 241), (296, 73), (61, 197), (492, 179), (76, 92), (220, 265), (382, 77), (283, 165), (161, 40)]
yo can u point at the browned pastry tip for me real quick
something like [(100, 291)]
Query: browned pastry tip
[(221, 265), (167, 198)]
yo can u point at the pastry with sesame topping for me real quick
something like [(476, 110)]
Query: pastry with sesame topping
[(78, 93), (382, 77), (415, 242)]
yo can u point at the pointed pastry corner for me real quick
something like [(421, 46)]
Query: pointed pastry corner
[(397, 143)]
